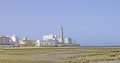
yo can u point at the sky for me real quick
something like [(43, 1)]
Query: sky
[(87, 22)]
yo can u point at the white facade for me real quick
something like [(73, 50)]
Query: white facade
[(51, 40), (68, 41), (37, 43), (15, 40), (49, 37), (65, 41), (45, 43), (60, 41), (4, 40), (9, 40), (21, 42)]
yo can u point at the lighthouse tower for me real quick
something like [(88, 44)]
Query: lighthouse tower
[(61, 35)]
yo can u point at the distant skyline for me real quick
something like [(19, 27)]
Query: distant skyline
[(88, 22)]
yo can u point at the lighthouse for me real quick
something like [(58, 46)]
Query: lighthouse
[(61, 35)]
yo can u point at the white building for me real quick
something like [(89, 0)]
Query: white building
[(21, 41), (37, 43), (27, 42), (45, 43), (15, 40), (49, 37), (4, 40), (48, 40), (52, 40), (68, 41), (9, 40)]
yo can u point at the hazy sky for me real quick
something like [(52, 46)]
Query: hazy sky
[(88, 22)]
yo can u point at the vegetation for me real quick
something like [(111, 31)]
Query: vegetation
[(58, 54)]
